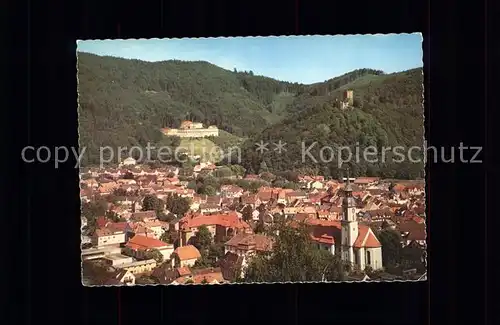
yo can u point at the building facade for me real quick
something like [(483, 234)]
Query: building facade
[(190, 129)]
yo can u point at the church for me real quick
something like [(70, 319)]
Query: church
[(359, 244), (356, 243)]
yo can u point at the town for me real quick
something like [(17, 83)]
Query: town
[(208, 224)]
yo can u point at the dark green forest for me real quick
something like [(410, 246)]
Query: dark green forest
[(125, 103)]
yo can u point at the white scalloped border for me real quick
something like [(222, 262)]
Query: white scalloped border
[(256, 283)]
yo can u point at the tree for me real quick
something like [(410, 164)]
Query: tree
[(178, 205), (263, 167), (223, 172), (216, 252), (145, 279), (391, 247), (166, 217), (91, 211), (192, 185), (204, 281), (113, 216), (237, 170), (176, 259), (128, 175), (203, 238), (155, 255), (412, 257), (261, 208), (259, 227), (171, 236), (294, 258), (291, 185), (152, 203), (267, 176), (207, 190), (278, 218), (247, 213)]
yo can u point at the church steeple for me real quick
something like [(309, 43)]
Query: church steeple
[(348, 201), (349, 223), (348, 188)]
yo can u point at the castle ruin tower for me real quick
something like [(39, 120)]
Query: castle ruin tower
[(349, 223), (349, 97)]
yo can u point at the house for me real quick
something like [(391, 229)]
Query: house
[(144, 216), (255, 215), (139, 229), (207, 276), (247, 244), (380, 214), (107, 237), (156, 226), (252, 177), (295, 195), (138, 246), (185, 256), (375, 192), (120, 227), (207, 208), (231, 191), (106, 188), (121, 277), (251, 200), (412, 231), (165, 275), (219, 225), (265, 196), (366, 181), (129, 161), (315, 185)]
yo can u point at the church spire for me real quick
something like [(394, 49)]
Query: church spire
[(348, 188)]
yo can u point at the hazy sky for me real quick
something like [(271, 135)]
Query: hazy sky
[(303, 59)]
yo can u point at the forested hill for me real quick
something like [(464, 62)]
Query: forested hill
[(387, 112), (125, 102)]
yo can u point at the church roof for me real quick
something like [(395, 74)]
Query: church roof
[(329, 232), (366, 238)]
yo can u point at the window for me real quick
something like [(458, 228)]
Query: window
[(368, 257)]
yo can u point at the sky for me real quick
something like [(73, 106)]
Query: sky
[(302, 59)]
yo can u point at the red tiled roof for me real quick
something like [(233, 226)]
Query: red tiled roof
[(365, 180), (261, 242), (188, 252), (144, 243), (329, 231), (184, 271), (198, 279), (101, 222), (366, 238), (226, 220)]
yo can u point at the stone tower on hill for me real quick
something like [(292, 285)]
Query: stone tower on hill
[(349, 97)]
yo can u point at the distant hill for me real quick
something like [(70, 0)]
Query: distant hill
[(388, 112), (125, 103)]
